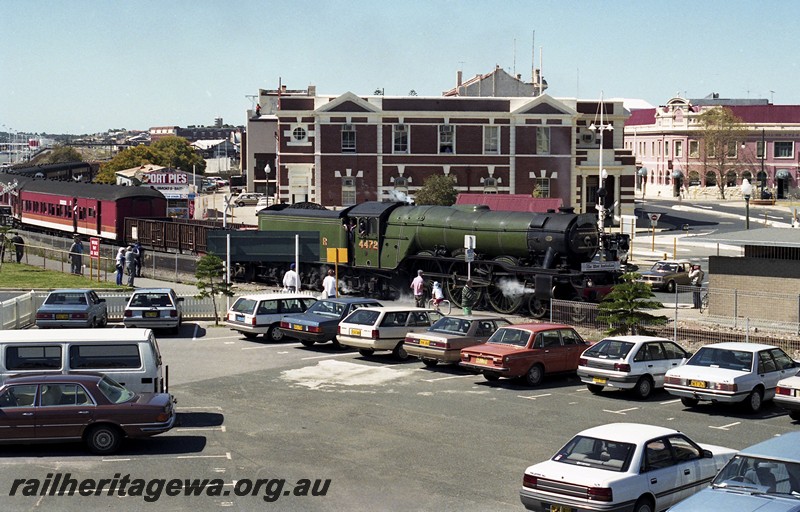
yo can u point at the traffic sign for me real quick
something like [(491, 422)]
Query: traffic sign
[(469, 241), (654, 218), (469, 255), (94, 247)]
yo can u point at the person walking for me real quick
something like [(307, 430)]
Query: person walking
[(130, 265), (696, 278), (19, 246), (76, 255), (139, 257), (329, 285), (120, 264), (290, 279), (418, 287), (467, 297)]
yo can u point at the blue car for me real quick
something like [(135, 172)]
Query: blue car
[(319, 323), (765, 476)]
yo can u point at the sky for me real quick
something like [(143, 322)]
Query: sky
[(88, 66)]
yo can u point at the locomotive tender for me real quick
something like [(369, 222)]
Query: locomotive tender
[(521, 258)]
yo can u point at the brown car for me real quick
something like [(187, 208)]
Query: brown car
[(87, 407), (530, 351), (442, 343)]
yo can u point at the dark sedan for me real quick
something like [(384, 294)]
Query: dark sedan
[(318, 323), (72, 308), (87, 407)]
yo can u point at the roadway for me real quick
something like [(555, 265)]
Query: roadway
[(388, 435)]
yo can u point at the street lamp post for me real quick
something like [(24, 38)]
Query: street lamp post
[(763, 155), (642, 173), (602, 174), (747, 191)]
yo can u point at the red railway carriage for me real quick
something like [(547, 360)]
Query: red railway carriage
[(85, 208)]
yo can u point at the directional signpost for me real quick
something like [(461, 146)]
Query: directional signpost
[(653, 223), (469, 255)]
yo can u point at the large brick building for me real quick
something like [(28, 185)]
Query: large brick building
[(339, 150)]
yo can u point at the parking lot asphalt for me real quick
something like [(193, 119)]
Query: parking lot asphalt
[(388, 435)]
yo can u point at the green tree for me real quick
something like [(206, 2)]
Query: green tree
[(210, 280), (438, 189), (624, 309), (722, 133), (61, 155), (175, 152)]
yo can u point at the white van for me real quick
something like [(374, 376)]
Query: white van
[(129, 356)]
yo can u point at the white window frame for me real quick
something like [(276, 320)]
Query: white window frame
[(491, 140), (779, 144), (348, 138), (543, 186), (402, 146), (447, 139), (694, 148), (678, 148), (348, 191), (542, 140)]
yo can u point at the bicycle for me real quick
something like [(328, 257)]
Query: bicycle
[(444, 307)]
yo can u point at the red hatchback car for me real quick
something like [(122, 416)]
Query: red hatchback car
[(530, 351)]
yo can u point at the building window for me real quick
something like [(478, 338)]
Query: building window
[(542, 140), (783, 149), (348, 191), (348, 138), (694, 148), (400, 138), (732, 149), (666, 148), (760, 149), (490, 185), (678, 148), (446, 138), (491, 140), (541, 187), (299, 134)]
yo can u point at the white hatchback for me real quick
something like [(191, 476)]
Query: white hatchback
[(637, 363), (253, 315), (384, 328)]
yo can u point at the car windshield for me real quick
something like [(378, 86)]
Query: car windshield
[(596, 453), (448, 325), (327, 308), (664, 267), (363, 317), (722, 358), (760, 475), (246, 306), (510, 336), (151, 300), (609, 349), (113, 391), (66, 298)]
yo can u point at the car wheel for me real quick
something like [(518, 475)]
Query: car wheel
[(366, 352), (336, 344), (795, 415), (104, 321), (491, 376), (644, 387), (307, 343), (250, 335), (671, 287), (643, 504), (689, 402), (535, 375), (594, 388), (430, 363), (754, 401), (274, 334), (400, 352), (103, 439)]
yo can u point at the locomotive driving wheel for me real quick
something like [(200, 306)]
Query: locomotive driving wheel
[(505, 292)]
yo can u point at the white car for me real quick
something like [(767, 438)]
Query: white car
[(636, 363), (384, 328), (247, 199), (744, 373), (253, 315), (154, 308), (787, 395), (622, 466)]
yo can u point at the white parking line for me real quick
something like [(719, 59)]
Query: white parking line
[(534, 397), (448, 378), (215, 407), (621, 411), (272, 346), (725, 427), (670, 402), (327, 356), (194, 429)]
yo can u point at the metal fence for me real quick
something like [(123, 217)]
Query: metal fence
[(725, 318)]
